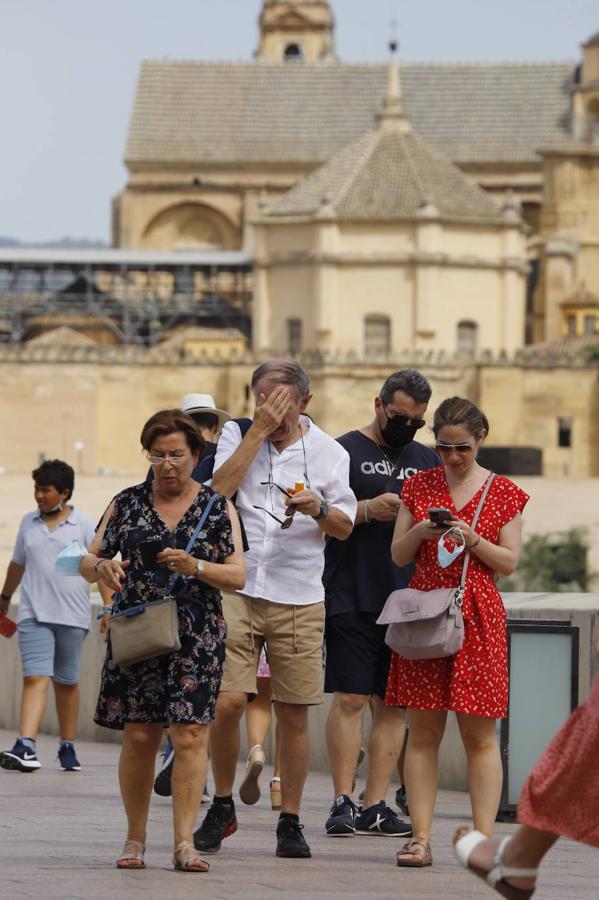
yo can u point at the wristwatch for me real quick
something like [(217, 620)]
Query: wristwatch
[(199, 566), (324, 511)]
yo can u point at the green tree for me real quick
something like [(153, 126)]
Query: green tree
[(554, 562)]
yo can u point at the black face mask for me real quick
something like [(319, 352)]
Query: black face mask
[(396, 432)]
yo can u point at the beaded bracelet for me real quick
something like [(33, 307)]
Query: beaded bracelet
[(105, 609)]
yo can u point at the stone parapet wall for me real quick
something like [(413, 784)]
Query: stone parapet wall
[(581, 610)]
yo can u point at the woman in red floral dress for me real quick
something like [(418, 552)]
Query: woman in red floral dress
[(474, 682)]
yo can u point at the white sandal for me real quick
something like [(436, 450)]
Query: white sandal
[(186, 859), (129, 857), (495, 878)]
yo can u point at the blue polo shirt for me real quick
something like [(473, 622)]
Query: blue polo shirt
[(46, 595)]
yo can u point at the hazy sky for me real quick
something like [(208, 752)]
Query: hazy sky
[(68, 70)]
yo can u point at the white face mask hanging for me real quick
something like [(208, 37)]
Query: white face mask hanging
[(67, 561), (449, 547)]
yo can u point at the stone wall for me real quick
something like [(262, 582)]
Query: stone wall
[(54, 398)]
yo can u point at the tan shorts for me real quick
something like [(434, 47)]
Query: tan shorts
[(293, 636)]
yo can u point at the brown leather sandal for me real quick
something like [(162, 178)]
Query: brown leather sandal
[(187, 859), (420, 852), (132, 856)]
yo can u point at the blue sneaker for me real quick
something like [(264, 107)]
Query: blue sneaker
[(380, 820), (162, 784), (401, 800), (342, 818), (67, 757), (20, 758)]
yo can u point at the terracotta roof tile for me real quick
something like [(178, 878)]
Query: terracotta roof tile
[(260, 112), (387, 175)]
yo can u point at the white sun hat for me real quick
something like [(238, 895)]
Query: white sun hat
[(203, 403)]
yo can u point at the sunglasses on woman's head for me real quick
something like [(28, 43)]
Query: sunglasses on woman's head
[(460, 448)]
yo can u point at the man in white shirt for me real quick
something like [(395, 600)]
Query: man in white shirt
[(292, 489)]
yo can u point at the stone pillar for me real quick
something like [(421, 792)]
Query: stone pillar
[(261, 305), (513, 300)]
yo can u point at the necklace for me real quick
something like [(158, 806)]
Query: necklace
[(306, 476), (393, 466)]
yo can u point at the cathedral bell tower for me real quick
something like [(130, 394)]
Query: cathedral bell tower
[(296, 31)]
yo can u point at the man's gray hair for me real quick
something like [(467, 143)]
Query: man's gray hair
[(409, 382), (284, 371)]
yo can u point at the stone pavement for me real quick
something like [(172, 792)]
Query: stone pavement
[(60, 833)]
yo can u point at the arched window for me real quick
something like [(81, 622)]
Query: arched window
[(467, 338), (377, 336), (294, 336), (293, 53)]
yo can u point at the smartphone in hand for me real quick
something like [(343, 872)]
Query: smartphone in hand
[(149, 551), (440, 517), (7, 626)]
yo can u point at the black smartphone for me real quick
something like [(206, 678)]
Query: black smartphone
[(440, 517), (148, 550)]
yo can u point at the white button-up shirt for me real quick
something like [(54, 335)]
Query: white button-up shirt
[(286, 566), (45, 594)]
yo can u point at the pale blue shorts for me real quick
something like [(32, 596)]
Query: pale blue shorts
[(52, 650)]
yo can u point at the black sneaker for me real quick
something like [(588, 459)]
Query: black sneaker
[(219, 823), (381, 820), (20, 758), (341, 821), (401, 800), (290, 841), (162, 784), (68, 758)]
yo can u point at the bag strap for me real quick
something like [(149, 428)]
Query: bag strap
[(172, 582), (200, 525), (479, 508)]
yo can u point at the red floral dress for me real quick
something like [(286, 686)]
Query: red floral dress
[(475, 680)]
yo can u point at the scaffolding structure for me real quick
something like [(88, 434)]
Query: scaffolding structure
[(121, 296)]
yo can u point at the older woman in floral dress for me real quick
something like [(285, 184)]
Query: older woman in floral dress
[(178, 689)]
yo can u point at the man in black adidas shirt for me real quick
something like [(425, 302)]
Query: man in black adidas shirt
[(358, 577)]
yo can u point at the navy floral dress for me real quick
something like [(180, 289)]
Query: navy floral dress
[(182, 686)]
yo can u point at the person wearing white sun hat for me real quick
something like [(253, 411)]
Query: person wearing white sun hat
[(210, 420)]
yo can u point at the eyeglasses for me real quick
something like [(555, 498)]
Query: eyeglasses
[(287, 522), (406, 420), (460, 448), (175, 459)]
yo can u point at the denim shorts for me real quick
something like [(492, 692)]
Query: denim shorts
[(52, 650)]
